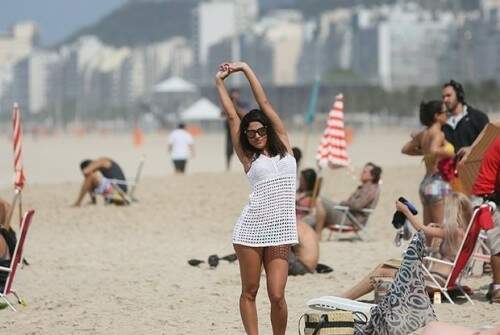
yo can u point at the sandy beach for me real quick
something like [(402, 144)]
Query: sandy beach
[(123, 270)]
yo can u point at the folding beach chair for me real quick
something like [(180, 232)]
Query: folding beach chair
[(481, 219), (349, 223), (316, 191), (126, 197), (16, 260)]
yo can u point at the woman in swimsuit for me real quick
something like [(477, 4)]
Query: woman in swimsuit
[(431, 144)]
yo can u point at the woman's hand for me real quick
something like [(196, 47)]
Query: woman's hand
[(223, 72), (403, 208), (236, 66)]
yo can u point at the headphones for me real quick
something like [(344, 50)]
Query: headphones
[(458, 88)]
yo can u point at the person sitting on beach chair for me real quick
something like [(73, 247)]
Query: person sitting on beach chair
[(329, 213), (105, 177), (458, 209), (304, 256), (7, 241)]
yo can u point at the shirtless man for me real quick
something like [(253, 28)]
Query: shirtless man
[(98, 175), (304, 256)]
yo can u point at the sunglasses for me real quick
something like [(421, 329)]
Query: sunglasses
[(262, 131)]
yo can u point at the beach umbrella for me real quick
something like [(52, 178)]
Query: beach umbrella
[(332, 150), (469, 168), (19, 179), (17, 140)]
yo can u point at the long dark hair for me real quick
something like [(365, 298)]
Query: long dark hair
[(310, 179), (274, 145), (428, 111)]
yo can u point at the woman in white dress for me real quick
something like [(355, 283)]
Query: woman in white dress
[(266, 228)]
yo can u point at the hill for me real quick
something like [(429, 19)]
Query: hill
[(141, 23)]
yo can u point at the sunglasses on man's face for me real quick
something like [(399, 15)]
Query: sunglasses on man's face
[(251, 133)]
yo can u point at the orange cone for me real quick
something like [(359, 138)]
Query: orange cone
[(138, 137)]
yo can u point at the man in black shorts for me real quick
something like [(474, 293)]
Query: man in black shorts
[(99, 175)]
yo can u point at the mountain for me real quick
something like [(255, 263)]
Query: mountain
[(141, 22)]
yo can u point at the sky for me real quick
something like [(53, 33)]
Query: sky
[(56, 18)]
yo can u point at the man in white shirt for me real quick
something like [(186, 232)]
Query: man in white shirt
[(180, 147)]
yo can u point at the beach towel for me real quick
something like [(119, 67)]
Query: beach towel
[(406, 306)]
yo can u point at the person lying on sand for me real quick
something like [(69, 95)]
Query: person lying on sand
[(99, 176), (304, 256)]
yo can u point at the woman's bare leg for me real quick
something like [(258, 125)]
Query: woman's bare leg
[(250, 261), (276, 265), (441, 328), (365, 285)]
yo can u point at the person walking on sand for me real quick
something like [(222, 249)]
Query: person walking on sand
[(267, 226), (180, 147)]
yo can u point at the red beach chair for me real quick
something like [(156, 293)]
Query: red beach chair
[(16, 260), (481, 219)]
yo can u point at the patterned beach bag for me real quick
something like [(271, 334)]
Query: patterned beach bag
[(327, 323)]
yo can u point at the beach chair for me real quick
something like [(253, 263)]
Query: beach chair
[(126, 197), (16, 260), (481, 219), (349, 223), (315, 195), (334, 303)]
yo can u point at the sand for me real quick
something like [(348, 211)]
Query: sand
[(123, 270)]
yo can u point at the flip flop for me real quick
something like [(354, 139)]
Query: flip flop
[(322, 268), (195, 262), (213, 261), (230, 258)]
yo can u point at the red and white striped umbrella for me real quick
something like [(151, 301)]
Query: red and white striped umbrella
[(17, 139), (332, 150)]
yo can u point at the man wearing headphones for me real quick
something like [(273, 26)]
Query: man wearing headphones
[(464, 122)]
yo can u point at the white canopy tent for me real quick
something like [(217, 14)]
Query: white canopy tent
[(202, 110), (175, 85)]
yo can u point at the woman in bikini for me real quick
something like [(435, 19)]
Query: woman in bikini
[(431, 144), (267, 226)]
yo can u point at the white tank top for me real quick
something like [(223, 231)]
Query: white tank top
[(269, 217)]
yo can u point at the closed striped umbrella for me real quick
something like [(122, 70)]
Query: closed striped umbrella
[(17, 139), (332, 150)]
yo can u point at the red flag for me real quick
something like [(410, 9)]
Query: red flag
[(17, 139), (332, 150)]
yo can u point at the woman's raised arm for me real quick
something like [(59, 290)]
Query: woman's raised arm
[(262, 101), (232, 116)]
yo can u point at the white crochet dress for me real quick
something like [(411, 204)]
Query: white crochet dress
[(269, 217)]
